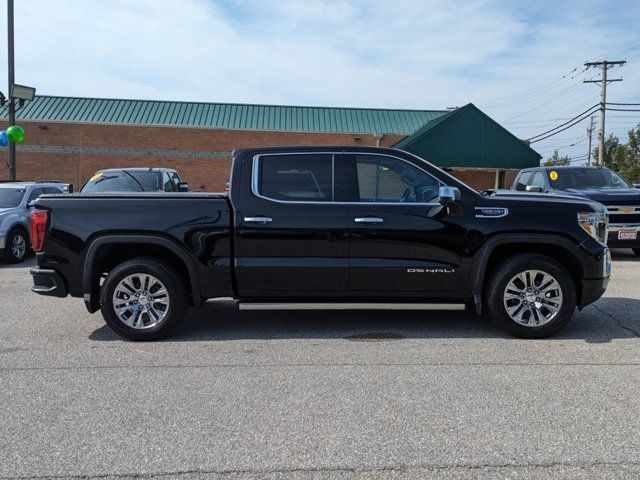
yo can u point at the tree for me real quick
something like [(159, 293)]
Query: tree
[(621, 157), (556, 160)]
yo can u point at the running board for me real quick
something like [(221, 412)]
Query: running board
[(348, 306)]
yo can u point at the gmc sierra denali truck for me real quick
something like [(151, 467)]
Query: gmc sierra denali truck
[(324, 228)]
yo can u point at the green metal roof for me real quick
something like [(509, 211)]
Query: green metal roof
[(467, 137), (225, 115)]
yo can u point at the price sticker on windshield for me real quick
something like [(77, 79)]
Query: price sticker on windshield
[(553, 175)]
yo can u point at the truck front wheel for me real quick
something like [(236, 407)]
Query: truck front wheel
[(530, 296), (143, 299)]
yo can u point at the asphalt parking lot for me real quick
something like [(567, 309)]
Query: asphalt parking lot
[(319, 395)]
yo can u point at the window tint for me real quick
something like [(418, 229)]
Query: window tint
[(387, 179), (538, 180), (306, 178), (35, 193), (521, 183)]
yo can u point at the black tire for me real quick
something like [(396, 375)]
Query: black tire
[(9, 254), (176, 292), (636, 251), (501, 276)]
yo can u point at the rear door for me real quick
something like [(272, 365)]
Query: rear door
[(291, 232), (402, 239)]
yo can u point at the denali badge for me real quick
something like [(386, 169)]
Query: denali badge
[(430, 270)]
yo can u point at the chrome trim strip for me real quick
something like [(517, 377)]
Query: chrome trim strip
[(255, 169), (506, 212), (348, 306)]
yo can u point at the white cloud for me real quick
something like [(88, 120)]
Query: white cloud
[(406, 54)]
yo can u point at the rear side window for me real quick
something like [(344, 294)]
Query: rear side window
[(296, 178), (51, 190), (521, 181)]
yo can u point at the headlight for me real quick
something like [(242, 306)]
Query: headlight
[(595, 224)]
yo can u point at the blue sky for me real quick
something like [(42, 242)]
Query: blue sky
[(510, 58)]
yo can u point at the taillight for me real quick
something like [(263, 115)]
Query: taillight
[(38, 220)]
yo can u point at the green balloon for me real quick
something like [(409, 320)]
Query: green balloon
[(15, 133)]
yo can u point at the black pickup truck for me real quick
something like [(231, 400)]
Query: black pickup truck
[(324, 228)]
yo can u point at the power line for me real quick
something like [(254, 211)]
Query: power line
[(623, 109), (588, 111)]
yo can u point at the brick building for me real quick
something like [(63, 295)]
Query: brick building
[(70, 138)]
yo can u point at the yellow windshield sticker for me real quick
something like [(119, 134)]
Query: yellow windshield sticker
[(96, 177), (553, 175)]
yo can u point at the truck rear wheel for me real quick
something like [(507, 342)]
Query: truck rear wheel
[(143, 299), (530, 296)]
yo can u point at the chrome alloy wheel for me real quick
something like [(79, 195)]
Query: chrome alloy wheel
[(18, 246), (141, 301), (533, 298)]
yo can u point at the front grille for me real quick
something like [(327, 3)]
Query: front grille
[(624, 217), (622, 202)]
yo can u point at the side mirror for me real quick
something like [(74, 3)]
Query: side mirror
[(449, 195), (534, 188), (183, 187)]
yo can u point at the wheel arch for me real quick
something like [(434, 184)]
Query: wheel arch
[(107, 251), (498, 248)]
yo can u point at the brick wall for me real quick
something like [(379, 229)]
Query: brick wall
[(72, 152)]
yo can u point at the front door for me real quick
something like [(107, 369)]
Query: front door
[(402, 239), (291, 234)]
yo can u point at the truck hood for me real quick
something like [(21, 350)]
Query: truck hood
[(606, 195), (514, 197)]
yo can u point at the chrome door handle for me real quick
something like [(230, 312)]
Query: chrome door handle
[(368, 220), (258, 219)]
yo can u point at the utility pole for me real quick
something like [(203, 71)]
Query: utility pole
[(603, 81), (590, 132), (12, 103)]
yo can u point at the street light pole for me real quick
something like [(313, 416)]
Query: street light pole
[(12, 104)]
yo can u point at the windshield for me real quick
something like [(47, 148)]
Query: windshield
[(122, 181), (581, 178), (10, 197)]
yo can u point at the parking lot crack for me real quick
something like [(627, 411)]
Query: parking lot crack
[(619, 322), (337, 469)]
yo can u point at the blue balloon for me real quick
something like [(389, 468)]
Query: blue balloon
[(4, 141)]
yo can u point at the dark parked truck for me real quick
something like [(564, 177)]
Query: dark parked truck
[(324, 228), (621, 199)]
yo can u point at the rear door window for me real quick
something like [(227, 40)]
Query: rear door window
[(296, 178)]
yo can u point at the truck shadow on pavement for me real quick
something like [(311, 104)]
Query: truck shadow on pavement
[(608, 319)]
